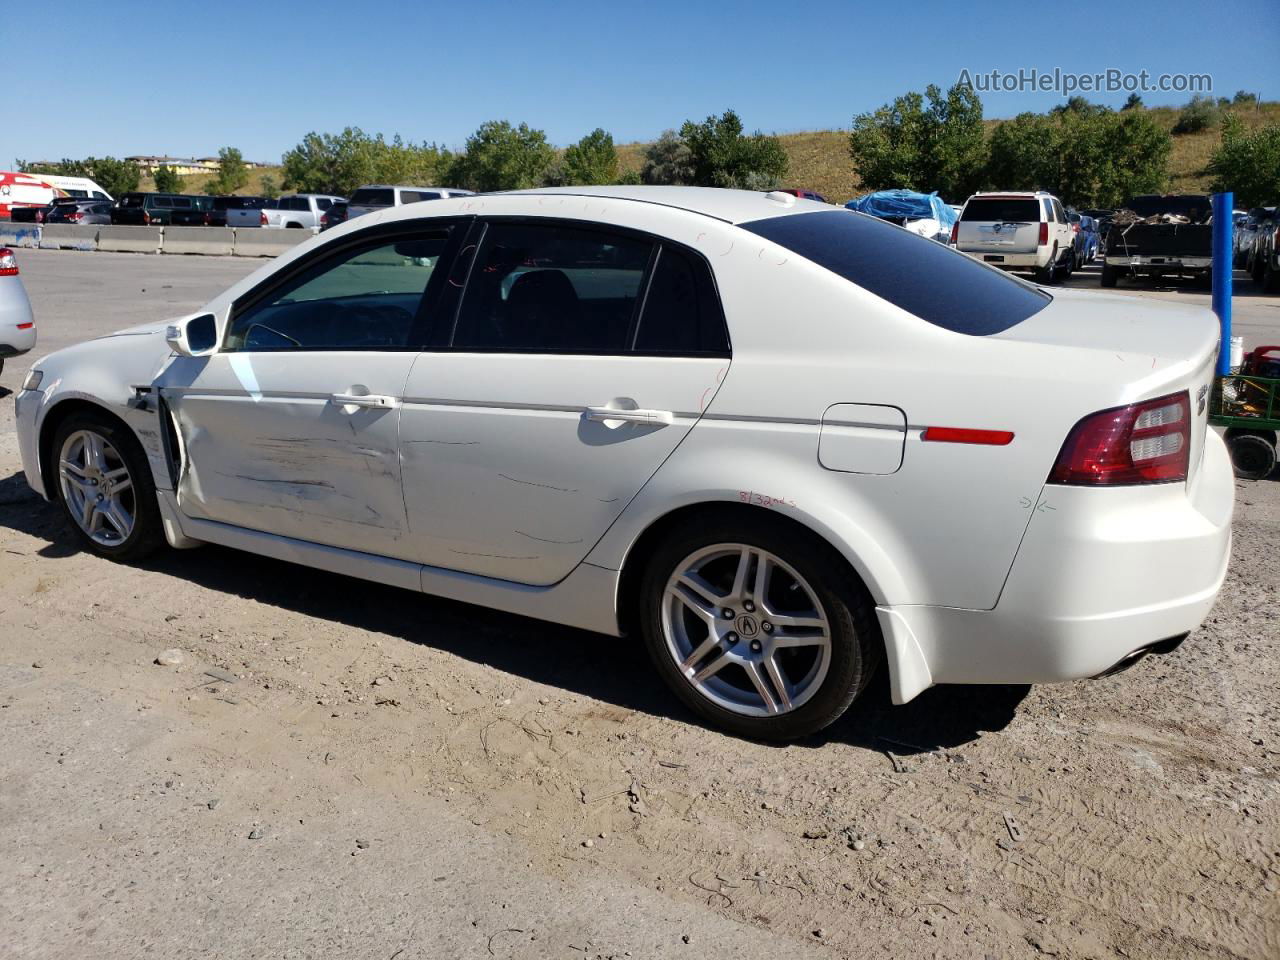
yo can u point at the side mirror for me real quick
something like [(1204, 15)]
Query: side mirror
[(193, 336)]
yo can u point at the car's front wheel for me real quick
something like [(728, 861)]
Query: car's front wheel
[(105, 487), (758, 627)]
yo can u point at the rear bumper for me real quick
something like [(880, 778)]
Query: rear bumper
[(1160, 264), (1101, 575), (1010, 261)]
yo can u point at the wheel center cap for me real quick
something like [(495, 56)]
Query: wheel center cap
[(747, 625)]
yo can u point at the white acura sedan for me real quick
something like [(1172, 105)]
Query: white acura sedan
[(775, 441)]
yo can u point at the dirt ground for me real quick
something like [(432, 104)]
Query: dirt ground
[(339, 769)]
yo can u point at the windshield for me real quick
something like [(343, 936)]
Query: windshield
[(960, 294)]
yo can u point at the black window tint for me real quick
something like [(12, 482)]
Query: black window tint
[(363, 298), (682, 313), (923, 277), (1001, 209), (551, 289), (324, 203), (373, 197)]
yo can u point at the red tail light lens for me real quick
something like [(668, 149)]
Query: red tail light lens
[(1044, 233), (8, 263), (75, 217), (146, 219), (262, 219), (324, 219), (1148, 442), (955, 233)]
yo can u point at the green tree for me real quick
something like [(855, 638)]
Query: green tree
[(1247, 163), (167, 180), (1200, 113), (500, 156), (1137, 151), (1133, 103), (721, 156), (1025, 153), (923, 143), (113, 175), (268, 187), (1244, 98), (232, 173), (341, 162), (592, 161), (667, 161)]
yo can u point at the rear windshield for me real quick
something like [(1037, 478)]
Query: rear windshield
[(923, 277), (373, 198), (998, 210), (133, 199)]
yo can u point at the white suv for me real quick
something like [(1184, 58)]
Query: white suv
[(1017, 231), (380, 196)]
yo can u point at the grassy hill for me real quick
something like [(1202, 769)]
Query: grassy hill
[(820, 159)]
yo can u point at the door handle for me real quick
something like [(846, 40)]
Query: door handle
[(362, 400), (614, 417)]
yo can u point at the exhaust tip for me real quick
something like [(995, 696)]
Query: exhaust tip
[(1160, 647)]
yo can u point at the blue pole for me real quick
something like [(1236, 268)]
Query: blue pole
[(1222, 230)]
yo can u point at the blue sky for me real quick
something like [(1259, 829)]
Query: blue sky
[(186, 79)]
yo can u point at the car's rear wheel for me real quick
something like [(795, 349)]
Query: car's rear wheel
[(1109, 275), (105, 487), (757, 627)]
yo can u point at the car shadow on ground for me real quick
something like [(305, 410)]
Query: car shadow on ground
[(1242, 285), (594, 665)]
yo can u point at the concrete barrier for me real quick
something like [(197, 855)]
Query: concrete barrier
[(130, 239), (217, 241), (267, 243), (19, 234), (69, 236)]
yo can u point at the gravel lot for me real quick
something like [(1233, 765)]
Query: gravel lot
[(372, 773)]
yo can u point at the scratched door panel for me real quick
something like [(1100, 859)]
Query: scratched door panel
[(506, 476), (265, 446)]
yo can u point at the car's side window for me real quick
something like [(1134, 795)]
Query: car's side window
[(365, 297), (552, 288), (682, 313)]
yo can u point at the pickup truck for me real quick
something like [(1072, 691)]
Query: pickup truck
[(1156, 236), (299, 211)]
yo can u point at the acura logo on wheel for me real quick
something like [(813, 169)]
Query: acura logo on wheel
[(747, 626)]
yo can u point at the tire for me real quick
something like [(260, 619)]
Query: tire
[(1252, 457), (1048, 274), (1257, 270), (119, 450), (1109, 274), (686, 630), (1270, 277)]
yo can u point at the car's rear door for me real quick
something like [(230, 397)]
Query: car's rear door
[(291, 428), (580, 357)]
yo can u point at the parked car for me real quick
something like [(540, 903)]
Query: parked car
[(333, 217), (1264, 262), (923, 213), (1084, 237), (83, 212), (300, 211), (1243, 235), (154, 209), (1026, 231), (1162, 236), (218, 216), (615, 431), (192, 211), (380, 196), (42, 214), (804, 194), (17, 322)]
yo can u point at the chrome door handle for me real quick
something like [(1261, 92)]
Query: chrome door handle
[(362, 400), (616, 417)]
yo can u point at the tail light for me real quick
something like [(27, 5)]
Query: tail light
[(262, 219), (1075, 228), (955, 233), (1044, 233), (207, 218), (324, 219), (1147, 442), (146, 219), (75, 216), (8, 263)]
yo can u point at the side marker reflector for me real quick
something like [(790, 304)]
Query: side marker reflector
[(991, 438)]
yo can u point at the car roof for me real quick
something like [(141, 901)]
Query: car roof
[(730, 206)]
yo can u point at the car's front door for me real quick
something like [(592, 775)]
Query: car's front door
[(579, 360), (291, 428)]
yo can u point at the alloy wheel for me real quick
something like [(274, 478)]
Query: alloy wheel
[(97, 487), (746, 630)]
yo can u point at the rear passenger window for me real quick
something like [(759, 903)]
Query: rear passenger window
[(682, 312), (552, 289)]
